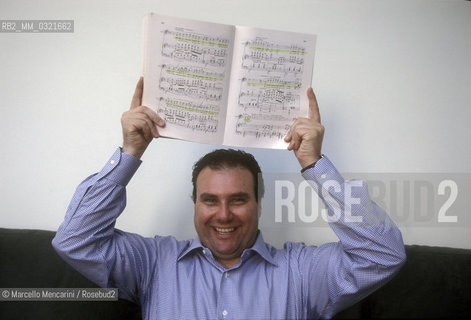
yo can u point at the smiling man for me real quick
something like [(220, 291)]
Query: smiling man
[(229, 271), (226, 204)]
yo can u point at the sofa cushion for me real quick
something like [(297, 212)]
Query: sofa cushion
[(435, 282), (27, 260)]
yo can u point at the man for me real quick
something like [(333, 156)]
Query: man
[(228, 271)]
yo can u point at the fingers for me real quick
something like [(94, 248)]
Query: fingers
[(140, 124), (300, 130), (142, 119), (300, 127), (314, 113), (306, 134), (152, 115), (137, 97), (136, 106)]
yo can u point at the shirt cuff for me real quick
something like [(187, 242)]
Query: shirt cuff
[(121, 167), (323, 171)]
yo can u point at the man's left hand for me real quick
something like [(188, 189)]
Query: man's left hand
[(306, 134)]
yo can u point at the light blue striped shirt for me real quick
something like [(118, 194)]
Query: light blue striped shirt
[(174, 279)]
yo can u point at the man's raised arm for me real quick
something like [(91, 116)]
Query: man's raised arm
[(370, 250), (87, 239)]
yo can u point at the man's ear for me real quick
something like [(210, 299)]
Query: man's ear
[(259, 209)]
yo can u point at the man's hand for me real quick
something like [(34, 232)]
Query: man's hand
[(306, 134), (139, 124)]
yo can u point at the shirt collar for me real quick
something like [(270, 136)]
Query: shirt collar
[(194, 245), (263, 249)]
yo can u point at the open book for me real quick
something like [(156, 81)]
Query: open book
[(227, 85)]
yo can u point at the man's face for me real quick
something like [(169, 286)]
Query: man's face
[(226, 212)]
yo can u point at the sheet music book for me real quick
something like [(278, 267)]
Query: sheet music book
[(223, 84)]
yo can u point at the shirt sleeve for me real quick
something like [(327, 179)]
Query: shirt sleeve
[(370, 250), (87, 239)]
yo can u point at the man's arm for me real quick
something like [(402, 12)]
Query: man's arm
[(370, 250), (87, 239)]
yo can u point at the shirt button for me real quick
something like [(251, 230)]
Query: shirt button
[(204, 251), (323, 176), (224, 313), (112, 161)]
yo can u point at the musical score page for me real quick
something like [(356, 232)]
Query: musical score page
[(269, 79), (186, 76)]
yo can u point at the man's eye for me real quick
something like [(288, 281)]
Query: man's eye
[(209, 200), (239, 200)]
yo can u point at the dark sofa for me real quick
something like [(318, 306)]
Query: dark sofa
[(434, 283)]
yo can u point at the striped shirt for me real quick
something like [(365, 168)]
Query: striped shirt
[(174, 279)]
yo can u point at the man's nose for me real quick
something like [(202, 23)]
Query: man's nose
[(224, 213)]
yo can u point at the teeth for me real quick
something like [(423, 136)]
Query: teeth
[(224, 230)]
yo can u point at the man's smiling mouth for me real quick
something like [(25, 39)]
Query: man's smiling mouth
[(224, 230)]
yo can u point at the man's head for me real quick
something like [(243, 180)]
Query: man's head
[(230, 158), (226, 196)]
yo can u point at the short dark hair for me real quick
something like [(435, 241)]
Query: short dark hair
[(230, 158)]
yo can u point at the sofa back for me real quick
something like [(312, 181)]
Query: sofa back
[(435, 282), (27, 260)]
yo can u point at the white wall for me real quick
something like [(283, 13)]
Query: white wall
[(393, 80)]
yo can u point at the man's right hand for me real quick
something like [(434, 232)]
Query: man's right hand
[(139, 124)]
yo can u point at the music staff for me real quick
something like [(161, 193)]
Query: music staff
[(258, 130), (195, 48), (202, 118)]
